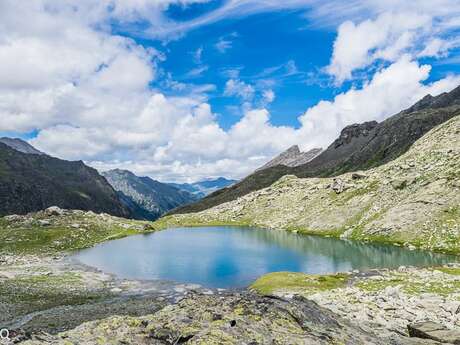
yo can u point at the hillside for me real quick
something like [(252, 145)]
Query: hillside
[(145, 197), (32, 182), (359, 147), (412, 200)]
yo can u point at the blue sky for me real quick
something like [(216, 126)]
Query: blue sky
[(279, 50), (181, 90)]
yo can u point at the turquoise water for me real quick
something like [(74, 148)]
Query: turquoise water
[(228, 257)]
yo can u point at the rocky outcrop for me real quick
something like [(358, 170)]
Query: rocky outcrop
[(413, 200), (359, 147), (434, 331), (146, 198), (239, 318), (32, 182), (292, 157)]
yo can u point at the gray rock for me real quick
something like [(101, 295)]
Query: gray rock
[(434, 331), (54, 211)]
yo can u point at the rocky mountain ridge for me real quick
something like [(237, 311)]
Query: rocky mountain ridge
[(32, 182), (359, 147), (412, 200)]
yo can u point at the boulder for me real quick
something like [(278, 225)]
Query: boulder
[(434, 331), (358, 175), (54, 211), (338, 186)]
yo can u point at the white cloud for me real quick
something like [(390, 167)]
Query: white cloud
[(419, 28), (197, 72), (223, 45), (197, 55), (89, 94), (268, 96), (387, 38), (236, 87), (390, 90)]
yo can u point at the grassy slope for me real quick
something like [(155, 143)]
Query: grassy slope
[(72, 231), (414, 199)]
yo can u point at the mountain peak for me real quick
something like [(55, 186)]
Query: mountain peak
[(292, 157), (20, 145)]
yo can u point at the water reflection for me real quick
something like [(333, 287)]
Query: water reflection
[(234, 257)]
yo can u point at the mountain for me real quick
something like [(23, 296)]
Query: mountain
[(145, 197), (412, 200), (359, 147), (20, 145), (32, 182), (202, 188), (292, 157)]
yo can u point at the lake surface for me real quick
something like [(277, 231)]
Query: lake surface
[(225, 257)]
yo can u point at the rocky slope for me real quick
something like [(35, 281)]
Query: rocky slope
[(359, 147), (382, 301), (31, 182), (412, 200), (202, 188), (292, 157), (146, 198)]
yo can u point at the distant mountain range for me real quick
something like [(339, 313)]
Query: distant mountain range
[(145, 197), (203, 188), (33, 181), (359, 147)]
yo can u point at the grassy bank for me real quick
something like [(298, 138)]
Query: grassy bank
[(44, 234)]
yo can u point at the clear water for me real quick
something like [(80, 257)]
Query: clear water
[(228, 257)]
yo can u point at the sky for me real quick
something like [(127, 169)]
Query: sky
[(182, 90)]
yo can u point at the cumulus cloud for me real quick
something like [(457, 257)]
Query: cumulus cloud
[(390, 90), (396, 31), (89, 94)]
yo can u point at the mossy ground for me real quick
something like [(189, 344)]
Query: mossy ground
[(298, 282), (73, 231)]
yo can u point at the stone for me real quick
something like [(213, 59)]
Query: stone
[(54, 211), (338, 186), (434, 331), (44, 222), (358, 175)]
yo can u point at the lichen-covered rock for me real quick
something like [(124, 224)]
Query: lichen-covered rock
[(232, 319)]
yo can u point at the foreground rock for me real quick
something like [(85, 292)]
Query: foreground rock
[(232, 319), (381, 301), (434, 331)]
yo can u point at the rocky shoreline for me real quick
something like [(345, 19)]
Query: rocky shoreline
[(52, 299), (38, 293)]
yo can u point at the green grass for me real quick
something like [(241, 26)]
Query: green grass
[(60, 236), (41, 292), (298, 282), (412, 286), (450, 270)]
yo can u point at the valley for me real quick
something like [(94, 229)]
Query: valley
[(411, 201)]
